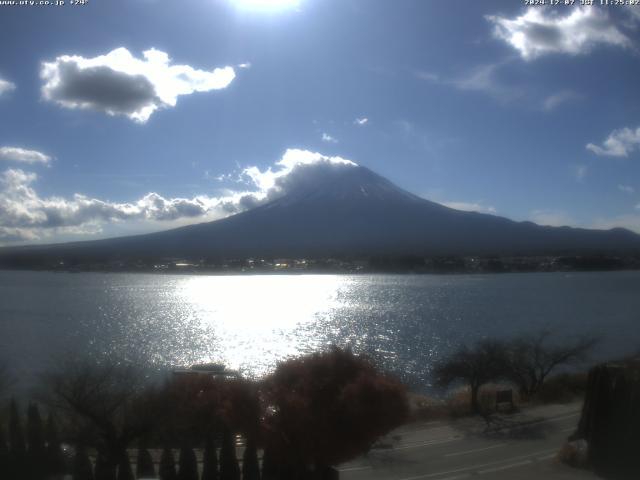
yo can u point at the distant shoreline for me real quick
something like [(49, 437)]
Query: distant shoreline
[(377, 265)]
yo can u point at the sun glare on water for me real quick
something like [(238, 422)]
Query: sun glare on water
[(260, 317)]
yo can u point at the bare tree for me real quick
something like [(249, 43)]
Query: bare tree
[(475, 366), (7, 380), (532, 358), (105, 405)]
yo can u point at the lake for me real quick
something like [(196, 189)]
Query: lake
[(250, 322)]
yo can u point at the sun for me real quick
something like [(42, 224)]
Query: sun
[(266, 5)]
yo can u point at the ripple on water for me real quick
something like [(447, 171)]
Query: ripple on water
[(251, 322)]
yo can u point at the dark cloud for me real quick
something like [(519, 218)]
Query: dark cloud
[(120, 84), (101, 88)]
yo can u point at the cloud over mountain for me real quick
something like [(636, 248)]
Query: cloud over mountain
[(293, 170), (540, 31), (26, 215), (470, 207), (120, 84)]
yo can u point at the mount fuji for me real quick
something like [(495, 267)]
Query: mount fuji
[(345, 210)]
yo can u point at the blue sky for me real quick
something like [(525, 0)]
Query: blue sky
[(525, 112)]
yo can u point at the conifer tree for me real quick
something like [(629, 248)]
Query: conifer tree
[(125, 472), (104, 469), (144, 464), (4, 455), (17, 447), (82, 469), (229, 469), (36, 451), (250, 465), (55, 457), (269, 467), (167, 469), (188, 465), (210, 460)]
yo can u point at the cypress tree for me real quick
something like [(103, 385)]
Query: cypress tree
[(16, 436), (210, 460), (125, 472), (229, 469), (104, 469), (188, 464), (250, 465), (269, 467), (144, 464), (36, 451), (167, 469), (55, 457), (4, 455), (82, 469), (17, 447)]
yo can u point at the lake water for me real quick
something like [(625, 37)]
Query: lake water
[(250, 322)]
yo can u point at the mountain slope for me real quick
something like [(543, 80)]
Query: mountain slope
[(350, 211)]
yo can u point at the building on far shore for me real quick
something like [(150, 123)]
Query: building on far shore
[(215, 370)]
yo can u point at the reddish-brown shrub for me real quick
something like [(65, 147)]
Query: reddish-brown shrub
[(326, 408)]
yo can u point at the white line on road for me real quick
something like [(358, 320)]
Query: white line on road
[(547, 457), (428, 444), (504, 467), (472, 468), (459, 437), (429, 429), (355, 469), (557, 419), (456, 454), (526, 424)]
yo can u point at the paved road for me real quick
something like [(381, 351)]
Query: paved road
[(518, 447)]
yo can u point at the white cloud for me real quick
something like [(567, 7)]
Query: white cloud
[(470, 207), (120, 84), (634, 11), (551, 218), (6, 86), (428, 76), (17, 154), (620, 143), (25, 215), (580, 172), (328, 138), (277, 181), (244, 65), (15, 235), (555, 100), (540, 31), (480, 78), (492, 79), (361, 121), (22, 207), (626, 189), (485, 79)]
